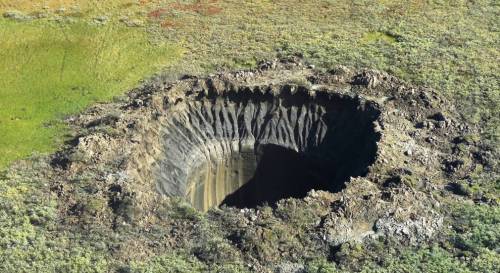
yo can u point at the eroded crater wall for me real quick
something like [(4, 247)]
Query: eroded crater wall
[(213, 146)]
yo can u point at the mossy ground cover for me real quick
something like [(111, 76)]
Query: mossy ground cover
[(85, 6), (52, 68), (49, 70)]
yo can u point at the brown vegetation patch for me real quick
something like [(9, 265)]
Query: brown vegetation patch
[(206, 8), (170, 24), (157, 13)]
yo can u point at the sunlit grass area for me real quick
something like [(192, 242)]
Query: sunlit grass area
[(49, 70), (87, 6)]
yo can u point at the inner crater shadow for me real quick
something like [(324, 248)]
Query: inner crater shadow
[(282, 173), (348, 149), (245, 150)]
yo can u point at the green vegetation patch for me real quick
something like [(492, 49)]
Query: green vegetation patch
[(49, 70), (376, 36), (29, 238)]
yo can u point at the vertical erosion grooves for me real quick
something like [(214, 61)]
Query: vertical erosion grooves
[(244, 148)]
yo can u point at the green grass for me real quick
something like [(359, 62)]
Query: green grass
[(49, 70), (376, 36)]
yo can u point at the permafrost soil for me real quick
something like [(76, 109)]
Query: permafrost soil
[(248, 148)]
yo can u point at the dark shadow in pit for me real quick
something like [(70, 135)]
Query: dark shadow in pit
[(348, 149), (335, 135), (281, 173)]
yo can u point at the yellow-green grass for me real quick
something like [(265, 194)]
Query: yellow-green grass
[(86, 6), (50, 70)]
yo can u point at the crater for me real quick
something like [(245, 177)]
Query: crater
[(246, 138), (247, 148)]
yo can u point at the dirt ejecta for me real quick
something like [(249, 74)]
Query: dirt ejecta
[(357, 150)]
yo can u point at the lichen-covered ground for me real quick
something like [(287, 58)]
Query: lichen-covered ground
[(56, 61)]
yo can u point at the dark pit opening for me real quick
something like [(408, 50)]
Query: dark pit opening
[(282, 173), (247, 149)]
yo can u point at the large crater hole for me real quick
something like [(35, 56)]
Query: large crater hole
[(247, 149)]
